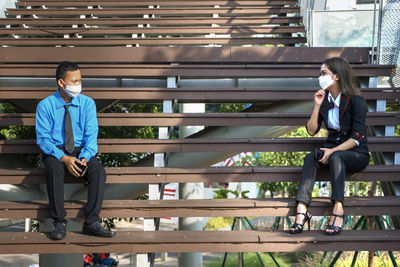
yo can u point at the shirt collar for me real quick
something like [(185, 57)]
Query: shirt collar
[(61, 103), (335, 101)]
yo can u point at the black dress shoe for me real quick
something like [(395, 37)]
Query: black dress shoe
[(59, 231), (97, 230)]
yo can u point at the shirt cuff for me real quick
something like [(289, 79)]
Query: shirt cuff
[(357, 143), (59, 153), (85, 155)]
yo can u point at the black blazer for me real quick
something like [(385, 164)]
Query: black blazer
[(352, 114)]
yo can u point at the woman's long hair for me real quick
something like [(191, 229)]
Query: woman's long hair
[(348, 84)]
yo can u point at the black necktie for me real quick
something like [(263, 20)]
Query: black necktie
[(69, 135), (331, 105)]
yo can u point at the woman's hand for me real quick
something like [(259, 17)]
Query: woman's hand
[(327, 153), (319, 97)]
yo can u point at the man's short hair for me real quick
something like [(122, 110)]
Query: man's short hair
[(62, 69)]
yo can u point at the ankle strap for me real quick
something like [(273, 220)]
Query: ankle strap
[(340, 216)]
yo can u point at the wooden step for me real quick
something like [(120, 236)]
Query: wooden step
[(368, 206), (201, 241), (238, 20), (206, 119), (223, 145), (127, 175), (161, 3), (180, 41), (275, 56), (204, 95), (177, 11), (184, 31), (190, 71)]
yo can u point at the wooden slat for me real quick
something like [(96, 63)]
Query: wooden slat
[(126, 175), (264, 55), (201, 241), (153, 3), (151, 21), (206, 119), (233, 30), (180, 41), (371, 206), (376, 144), (224, 95), (190, 71), (156, 11)]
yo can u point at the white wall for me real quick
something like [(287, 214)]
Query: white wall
[(4, 4)]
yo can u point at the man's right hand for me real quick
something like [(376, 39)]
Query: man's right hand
[(70, 164)]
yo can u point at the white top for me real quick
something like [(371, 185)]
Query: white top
[(333, 114)]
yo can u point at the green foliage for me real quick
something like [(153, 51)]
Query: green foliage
[(126, 159), (223, 193), (346, 259), (278, 159), (218, 223), (250, 259), (228, 108)]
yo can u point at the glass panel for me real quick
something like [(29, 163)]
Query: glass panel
[(343, 28)]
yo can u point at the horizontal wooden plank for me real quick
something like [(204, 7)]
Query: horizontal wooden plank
[(375, 144), (153, 3), (190, 71), (201, 241), (192, 30), (264, 55), (371, 206), (177, 11), (150, 21), (126, 175), (266, 10), (206, 119), (205, 95), (180, 41)]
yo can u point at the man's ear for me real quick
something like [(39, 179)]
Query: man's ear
[(60, 83)]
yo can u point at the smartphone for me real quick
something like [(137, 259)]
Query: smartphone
[(82, 167)]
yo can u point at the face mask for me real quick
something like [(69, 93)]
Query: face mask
[(325, 81), (72, 90)]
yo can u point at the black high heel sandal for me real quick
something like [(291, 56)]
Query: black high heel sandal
[(336, 229), (298, 227)]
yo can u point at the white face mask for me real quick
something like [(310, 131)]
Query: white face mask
[(325, 81), (72, 90)]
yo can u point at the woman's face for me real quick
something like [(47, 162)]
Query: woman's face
[(324, 71)]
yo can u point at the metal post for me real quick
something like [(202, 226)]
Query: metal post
[(191, 191), (159, 162)]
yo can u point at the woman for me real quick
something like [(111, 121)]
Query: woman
[(342, 108)]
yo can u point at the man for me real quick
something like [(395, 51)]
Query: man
[(66, 131)]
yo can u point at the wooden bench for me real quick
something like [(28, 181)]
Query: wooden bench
[(205, 241), (250, 27), (245, 18), (121, 175)]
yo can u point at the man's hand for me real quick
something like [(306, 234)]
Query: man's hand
[(71, 166), (84, 161)]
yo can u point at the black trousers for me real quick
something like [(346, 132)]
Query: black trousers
[(95, 176), (340, 162)]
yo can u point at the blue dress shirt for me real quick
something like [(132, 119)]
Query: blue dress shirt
[(50, 125)]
